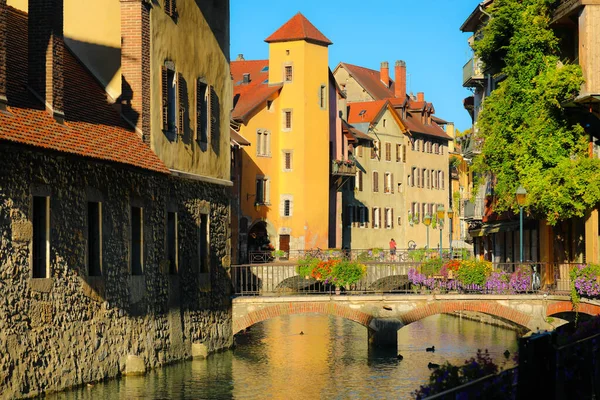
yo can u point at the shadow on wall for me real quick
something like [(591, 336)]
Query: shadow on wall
[(216, 14)]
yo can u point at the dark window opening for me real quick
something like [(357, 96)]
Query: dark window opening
[(201, 111), (172, 242), (203, 250), (136, 241), (40, 237), (94, 239), (286, 208)]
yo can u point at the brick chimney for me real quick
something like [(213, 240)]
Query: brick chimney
[(420, 96), (400, 78), (240, 57), (3, 101), (384, 73), (135, 65), (45, 54)]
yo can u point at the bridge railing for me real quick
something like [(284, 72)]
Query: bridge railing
[(282, 278), (364, 255)]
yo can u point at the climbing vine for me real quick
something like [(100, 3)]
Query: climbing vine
[(529, 139)]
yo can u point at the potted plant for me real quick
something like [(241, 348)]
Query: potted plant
[(346, 273), (279, 254)]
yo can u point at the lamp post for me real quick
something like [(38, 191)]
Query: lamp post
[(450, 218), (427, 222), (440, 219), (521, 199)]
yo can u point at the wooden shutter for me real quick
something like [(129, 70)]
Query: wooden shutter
[(360, 181), (403, 153), (379, 216), (373, 217), (375, 182), (200, 110), (171, 7), (215, 115), (442, 179), (181, 97), (165, 98), (391, 183), (392, 217)]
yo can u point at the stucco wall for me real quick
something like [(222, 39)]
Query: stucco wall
[(354, 92), (71, 329), (193, 42)]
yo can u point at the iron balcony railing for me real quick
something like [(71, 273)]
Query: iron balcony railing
[(473, 210), (343, 168), (386, 277), (472, 72)]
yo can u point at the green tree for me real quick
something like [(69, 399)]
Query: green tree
[(528, 137)]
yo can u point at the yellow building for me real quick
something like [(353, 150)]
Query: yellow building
[(283, 108)]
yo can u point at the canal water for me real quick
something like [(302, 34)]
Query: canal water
[(330, 360)]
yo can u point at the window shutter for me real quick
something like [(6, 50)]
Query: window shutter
[(442, 175), (168, 7), (215, 115), (392, 218), (379, 217), (403, 153), (171, 7), (201, 110), (181, 94), (391, 183), (165, 98)]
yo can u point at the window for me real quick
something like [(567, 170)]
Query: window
[(41, 237), (172, 249), (323, 97), (384, 122), (288, 73), (137, 244), (442, 149), (388, 183), (418, 144), (169, 92), (413, 144), (374, 150), (360, 151), (433, 179), (363, 216), (375, 181), (262, 191), (287, 120), (442, 180), (376, 223), (94, 238), (263, 143), (403, 153), (171, 8), (398, 153), (389, 218), (270, 105), (202, 94), (388, 152), (286, 208), (287, 160), (203, 244), (414, 177), (359, 180), (424, 207), (436, 148), (428, 174)]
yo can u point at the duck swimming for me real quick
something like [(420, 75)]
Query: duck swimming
[(430, 349), (399, 357), (433, 365)]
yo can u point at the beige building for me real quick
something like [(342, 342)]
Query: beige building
[(424, 184)]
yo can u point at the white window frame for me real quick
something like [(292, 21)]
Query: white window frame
[(284, 127)]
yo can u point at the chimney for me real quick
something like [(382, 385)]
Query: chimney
[(45, 54), (400, 78), (3, 100), (240, 57), (135, 65), (420, 96), (384, 73), (246, 78)]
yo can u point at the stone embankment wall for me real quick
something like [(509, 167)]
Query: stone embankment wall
[(72, 328)]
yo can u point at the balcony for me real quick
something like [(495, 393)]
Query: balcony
[(473, 210), (343, 168), (473, 72)]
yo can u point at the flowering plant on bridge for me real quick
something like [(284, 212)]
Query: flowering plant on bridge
[(474, 272), (346, 273), (498, 282), (520, 280), (306, 265), (585, 282), (322, 271)]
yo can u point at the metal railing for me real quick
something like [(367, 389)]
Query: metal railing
[(472, 70), (283, 278), (375, 255), (345, 168)]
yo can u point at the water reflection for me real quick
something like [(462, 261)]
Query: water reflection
[(330, 360)]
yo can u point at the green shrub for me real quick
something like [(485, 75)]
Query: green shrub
[(306, 265), (474, 272), (432, 266), (417, 255), (346, 273)]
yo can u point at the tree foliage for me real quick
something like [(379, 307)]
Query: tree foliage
[(529, 139)]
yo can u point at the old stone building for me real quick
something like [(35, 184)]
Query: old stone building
[(114, 188)]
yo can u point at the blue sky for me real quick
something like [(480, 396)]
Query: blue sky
[(424, 33)]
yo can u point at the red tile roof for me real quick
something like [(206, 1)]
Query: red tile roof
[(248, 96), (370, 80), (365, 111), (298, 28), (93, 128), (414, 125)]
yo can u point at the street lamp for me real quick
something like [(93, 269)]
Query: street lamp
[(521, 199), (450, 217), (427, 222), (440, 218)]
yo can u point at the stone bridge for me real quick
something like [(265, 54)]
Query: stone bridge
[(383, 315)]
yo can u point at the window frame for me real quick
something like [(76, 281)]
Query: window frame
[(285, 154), (287, 67), (284, 125)]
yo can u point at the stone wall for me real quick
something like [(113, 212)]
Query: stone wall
[(71, 329)]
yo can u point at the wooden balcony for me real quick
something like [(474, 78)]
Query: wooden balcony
[(345, 168)]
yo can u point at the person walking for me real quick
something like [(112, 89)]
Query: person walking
[(393, 249)]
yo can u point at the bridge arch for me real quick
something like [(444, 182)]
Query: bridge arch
[(278, 310), (559, 307), (486, 307)]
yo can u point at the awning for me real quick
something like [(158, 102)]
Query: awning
[(237, 139), (502, 226)]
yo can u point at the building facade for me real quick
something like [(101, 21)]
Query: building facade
[(115, 198), (288, 108), (424, 184)]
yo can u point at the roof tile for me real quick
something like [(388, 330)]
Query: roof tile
[(298, 28)]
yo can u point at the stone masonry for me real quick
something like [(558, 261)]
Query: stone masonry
[(71, 328)]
